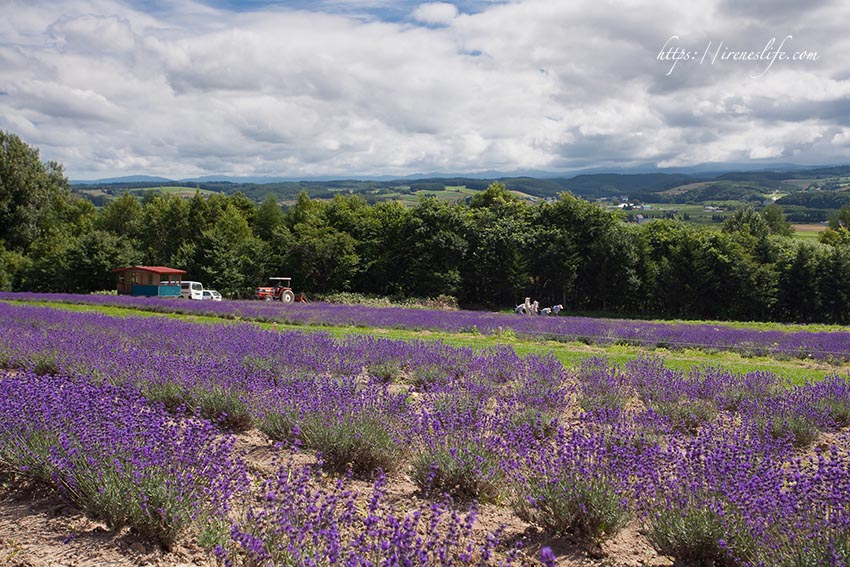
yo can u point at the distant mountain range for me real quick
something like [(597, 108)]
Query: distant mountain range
[(705, 170)]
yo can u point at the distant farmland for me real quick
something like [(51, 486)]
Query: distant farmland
[(182, 191)]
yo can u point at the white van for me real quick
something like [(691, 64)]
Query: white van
[(191, 290)]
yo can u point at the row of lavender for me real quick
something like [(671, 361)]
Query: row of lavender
[(707, 461), (833, 346), (128, 462)]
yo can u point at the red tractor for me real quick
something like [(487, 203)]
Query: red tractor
[(280, 291)]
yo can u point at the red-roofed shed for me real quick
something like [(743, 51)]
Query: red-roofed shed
[(151, 281)]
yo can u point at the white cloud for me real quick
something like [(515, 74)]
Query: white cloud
[(99, 34), (435, 13), (109, 90), (842, 137)]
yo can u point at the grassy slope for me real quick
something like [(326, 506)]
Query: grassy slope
[(570, 354)]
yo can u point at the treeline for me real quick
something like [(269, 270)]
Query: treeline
[(492, 252), (817, 199)]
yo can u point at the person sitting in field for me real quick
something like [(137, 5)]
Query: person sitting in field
[(534, 308), (557, 309), (520, 309), (546, 311)]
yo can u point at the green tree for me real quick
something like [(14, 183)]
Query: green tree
[(305, 211), (553, 265), (798, 294), (747, 221), (495, 197), (268, 218), (381, 248), (496, 267), (222, 255), (322, 258), (207, 216), (274, 257), (833, 287), (674, 251), (348, 213), (751, 230), (244, 205), (77, 216), (200, 213), (35, 197), (838, 231), (12, 267), (841, 219), (434, 246), (776, 222), (47, 264), (165, 228), (89, 261), (605, 255), (121, 216)]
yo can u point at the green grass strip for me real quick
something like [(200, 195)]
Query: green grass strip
[(570, 354)]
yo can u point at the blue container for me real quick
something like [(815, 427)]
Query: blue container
[(156, 290)]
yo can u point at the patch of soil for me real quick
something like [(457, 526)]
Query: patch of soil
[(630, 548), (263, 456), (42, 531)]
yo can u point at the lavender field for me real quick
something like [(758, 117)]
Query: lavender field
[(833, 346), (133, 419)]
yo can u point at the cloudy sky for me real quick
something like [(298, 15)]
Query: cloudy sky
[(380, 87)]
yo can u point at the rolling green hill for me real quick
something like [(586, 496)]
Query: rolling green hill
[(808, 195)]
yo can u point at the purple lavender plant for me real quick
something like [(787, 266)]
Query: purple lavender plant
[(306, 520), (834, 346), (759, 478), (108, 451)]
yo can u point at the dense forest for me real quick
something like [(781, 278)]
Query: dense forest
[(490, 252)]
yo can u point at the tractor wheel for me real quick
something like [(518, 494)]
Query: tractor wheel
[(287, 296)]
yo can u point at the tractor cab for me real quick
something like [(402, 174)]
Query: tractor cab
[(280, 290)]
